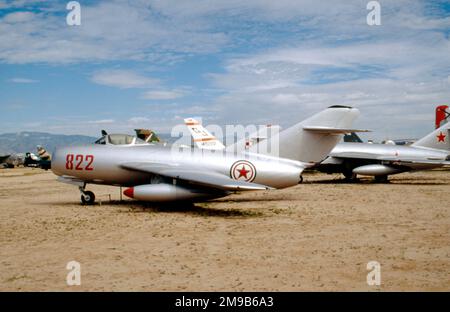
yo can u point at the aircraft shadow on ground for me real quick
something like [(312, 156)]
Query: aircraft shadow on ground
[(187, 208), (181, 207), (415, 182), (250, 200)]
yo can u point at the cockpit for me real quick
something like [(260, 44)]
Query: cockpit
[(120, 139)]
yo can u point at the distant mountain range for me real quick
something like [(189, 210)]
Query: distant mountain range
[(22, 142)]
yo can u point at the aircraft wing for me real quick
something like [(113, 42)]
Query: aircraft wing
[(406, 161), (330, 130), (354, 155), (195, 176), (391, 159), (4, 158)]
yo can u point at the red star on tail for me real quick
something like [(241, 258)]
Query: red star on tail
[(441, 137)]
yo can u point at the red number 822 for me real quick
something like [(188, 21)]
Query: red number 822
[(79, 161)]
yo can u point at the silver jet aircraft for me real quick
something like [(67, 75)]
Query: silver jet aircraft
[(153, 172), (382, 160)]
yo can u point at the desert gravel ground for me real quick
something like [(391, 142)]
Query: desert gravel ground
[(319, 235)]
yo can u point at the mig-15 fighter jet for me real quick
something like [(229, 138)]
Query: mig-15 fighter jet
[(153, 172), (382, 160)]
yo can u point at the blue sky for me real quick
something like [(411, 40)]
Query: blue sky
[(151, 63)]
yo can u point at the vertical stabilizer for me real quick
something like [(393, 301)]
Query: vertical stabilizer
[(312, 139), (201, 136)]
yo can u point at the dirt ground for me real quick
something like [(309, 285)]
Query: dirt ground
[(317, 236)]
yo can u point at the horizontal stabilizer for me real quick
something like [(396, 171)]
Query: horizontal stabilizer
[(330, 130)]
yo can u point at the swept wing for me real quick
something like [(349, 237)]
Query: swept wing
[(194, 176)]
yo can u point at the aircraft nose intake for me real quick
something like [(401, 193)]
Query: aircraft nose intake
[(129, 192)]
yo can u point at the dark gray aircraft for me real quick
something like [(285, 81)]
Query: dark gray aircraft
[(12, 160), (154, 172), (42, 160)]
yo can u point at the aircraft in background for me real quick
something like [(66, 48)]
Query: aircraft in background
[(353, 156), (158, 173), (41, 160), (12, 160), (205, 140), (201, 136), (382, 160), (147, 135), (442, 115)]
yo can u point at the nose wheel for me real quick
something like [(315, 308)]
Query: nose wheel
[(87, 197)]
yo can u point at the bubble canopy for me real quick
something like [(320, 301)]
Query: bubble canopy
[(119, 139)]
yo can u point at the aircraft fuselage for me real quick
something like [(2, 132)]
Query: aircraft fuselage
[(102, 164)]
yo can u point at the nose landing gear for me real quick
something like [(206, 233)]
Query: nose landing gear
[(87, 197)]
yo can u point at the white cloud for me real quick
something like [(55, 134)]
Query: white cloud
[(22, 80), (18, 17), (138, 120), (101, 121), (123, 79), (112, 30), (162, 94), (9, 4), (395, 83)]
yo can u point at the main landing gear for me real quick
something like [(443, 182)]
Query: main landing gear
[(87, 197), (350, 176), (381, 179)]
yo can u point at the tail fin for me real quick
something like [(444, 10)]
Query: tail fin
[(147, 135), (442, 115), (312, 139), (438, 139), (202, 137)]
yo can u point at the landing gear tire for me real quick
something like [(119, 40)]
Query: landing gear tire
[(87, 198), (381, 179), (350, 177)]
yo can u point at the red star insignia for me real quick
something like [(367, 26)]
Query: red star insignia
[(243, 172), (441, 137)]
